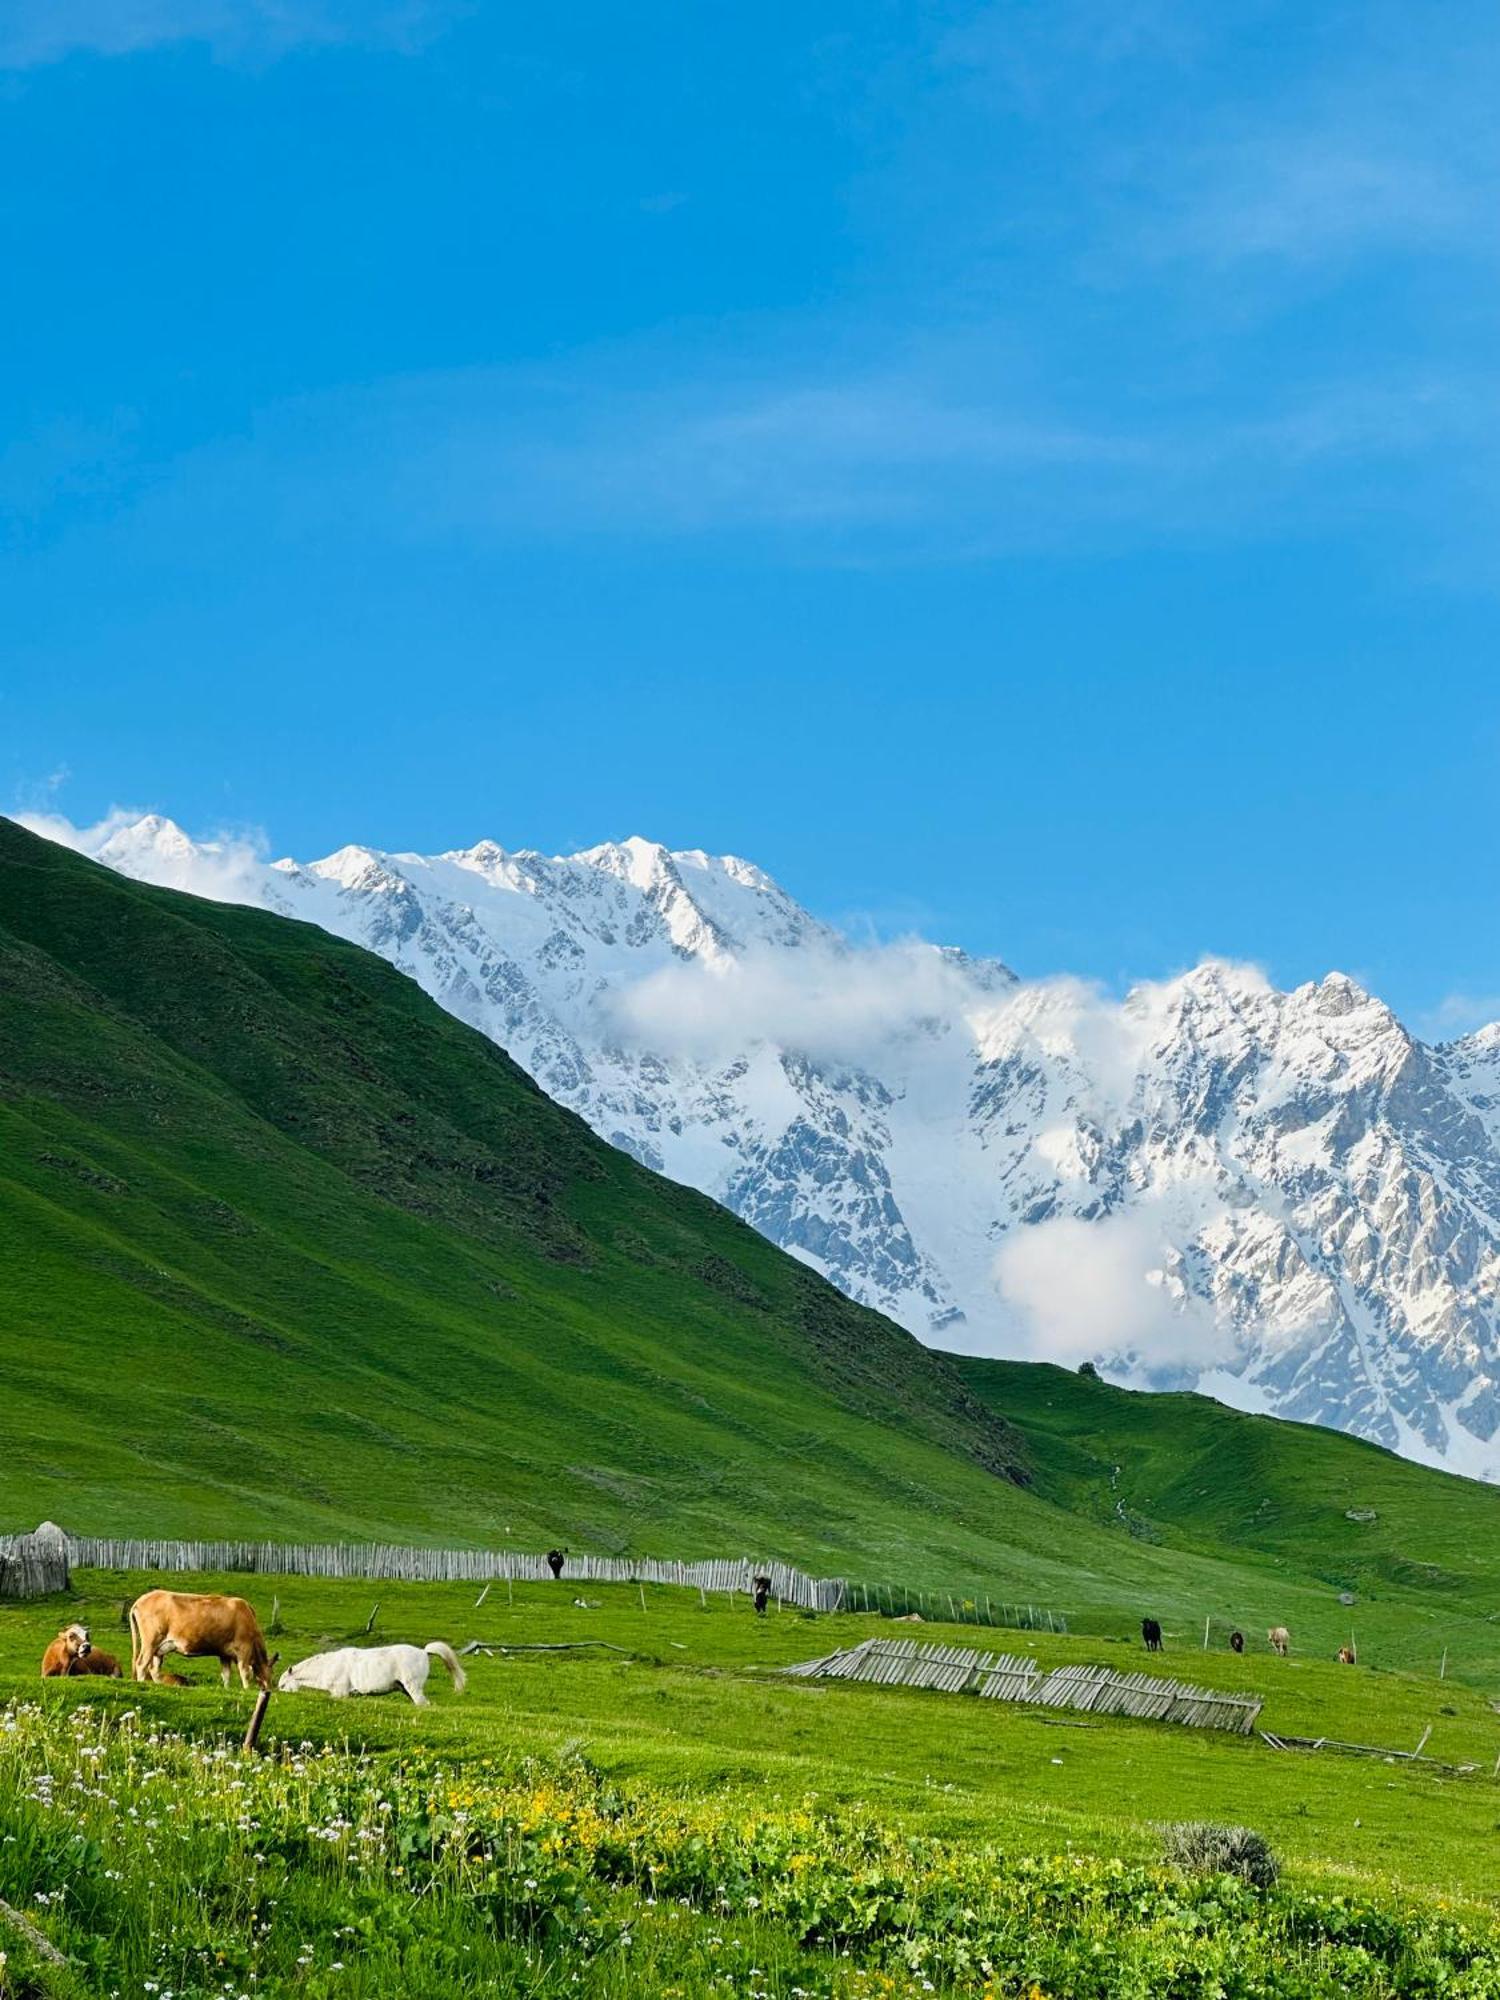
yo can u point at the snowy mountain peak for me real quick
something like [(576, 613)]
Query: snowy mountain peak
[(141, 840), (359, 868), (1284, 1197)]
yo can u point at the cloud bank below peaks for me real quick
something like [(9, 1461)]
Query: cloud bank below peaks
[(1108, 1287), (833, 1004)]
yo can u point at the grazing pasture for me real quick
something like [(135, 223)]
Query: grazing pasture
[(689, 1738)]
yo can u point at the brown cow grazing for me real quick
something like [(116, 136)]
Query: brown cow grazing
[(1281, 1640), (178, 1621), (1348, 1657), (72, 1653)]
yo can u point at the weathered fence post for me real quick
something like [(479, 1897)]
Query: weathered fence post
[(258, 1713)]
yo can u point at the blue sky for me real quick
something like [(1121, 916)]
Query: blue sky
[(1026, 473)]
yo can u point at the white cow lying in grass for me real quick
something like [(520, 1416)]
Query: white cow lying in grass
[(374, 1670)]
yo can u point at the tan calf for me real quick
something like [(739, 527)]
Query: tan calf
[(72, 1653)]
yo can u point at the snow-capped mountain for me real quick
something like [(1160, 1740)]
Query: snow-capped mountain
[(1284, 1198)]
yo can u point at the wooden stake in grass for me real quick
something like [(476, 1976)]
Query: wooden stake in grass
[(642, 1588), (258, 1713), (481, 1597), (370, 1621), (1443, 1666), (510, 1593), (1205, 1633)]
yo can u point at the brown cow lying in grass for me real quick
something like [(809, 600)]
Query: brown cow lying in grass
[(72, 1653), (197, 1625)]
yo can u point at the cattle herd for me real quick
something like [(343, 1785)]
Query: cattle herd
[(1278, 1639), (201, 1625)]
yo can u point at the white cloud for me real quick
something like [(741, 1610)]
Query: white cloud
[(1459, 1014), (226, 867), (35, 32), (835, 1006), (897, 463), (1107, 1290), (1309, 199)]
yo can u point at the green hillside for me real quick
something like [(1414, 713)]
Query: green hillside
[(286, 1249), (1185, 1472)]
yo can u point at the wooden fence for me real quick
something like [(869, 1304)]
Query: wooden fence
[(390, 1563), (951, 1607), (479, 1566), (31, 1566), (1006, 1677), (1104, 1691)]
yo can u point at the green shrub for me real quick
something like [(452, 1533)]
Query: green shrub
[(1205, 1847)]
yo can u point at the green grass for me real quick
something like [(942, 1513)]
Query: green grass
[(688, 1720), (1192, 1474), (691, 1707)]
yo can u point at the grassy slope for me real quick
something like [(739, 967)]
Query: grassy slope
[(285, 1249), (684, 1711), (1192, 1474)]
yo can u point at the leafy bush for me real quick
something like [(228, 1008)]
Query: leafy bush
[(1208, 1848)]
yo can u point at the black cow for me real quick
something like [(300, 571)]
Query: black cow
[(1151, 1633), (762, 1593), (1236, 1642), (555, 1561)]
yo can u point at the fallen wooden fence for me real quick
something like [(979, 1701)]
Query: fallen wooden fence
[(390, 1563), (1104, 1691), (1279, 1742), (1005, 1677)]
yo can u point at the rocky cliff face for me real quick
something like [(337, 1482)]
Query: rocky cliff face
[(1284, 1198)]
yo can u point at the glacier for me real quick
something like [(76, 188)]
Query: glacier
[(1285, 1199)]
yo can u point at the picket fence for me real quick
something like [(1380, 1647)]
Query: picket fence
[(1006, 1677), (31, 1565), (389, 1563), (380, 1562)]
